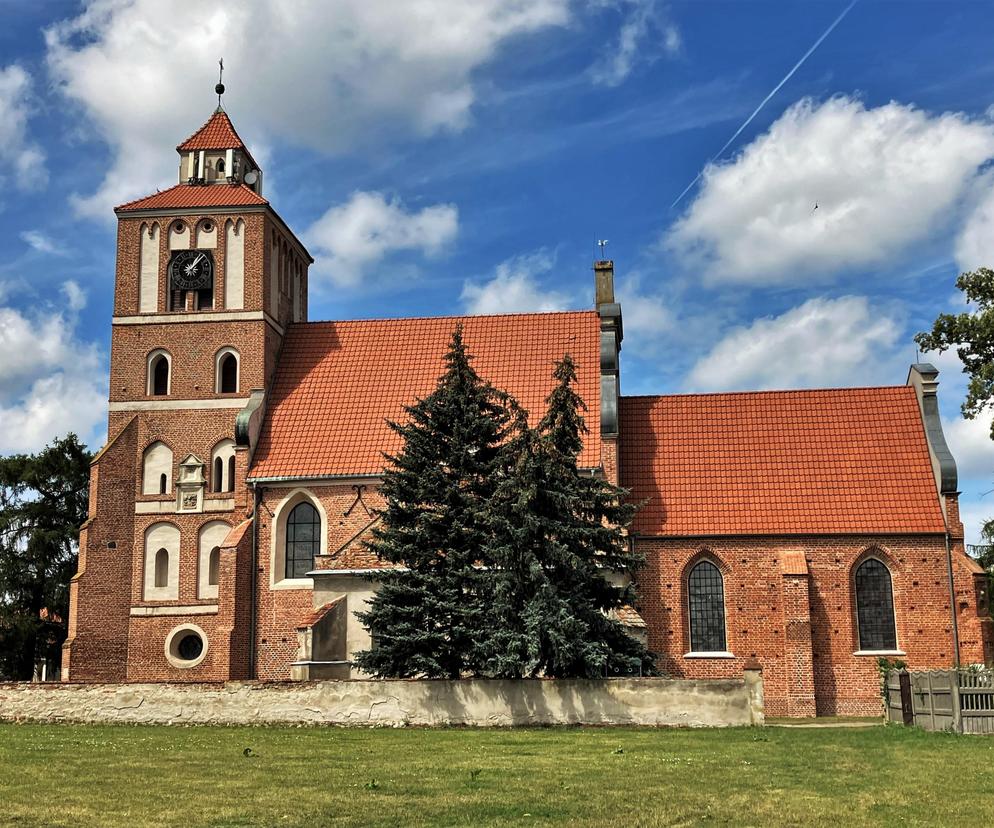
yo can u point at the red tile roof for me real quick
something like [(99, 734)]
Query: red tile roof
[(195, 195), (851, 460), (217, 134), (312, 617), (338, 382)]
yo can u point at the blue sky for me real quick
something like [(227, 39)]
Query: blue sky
[(448, 157)]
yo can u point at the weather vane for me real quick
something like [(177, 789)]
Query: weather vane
[(220, 86), (602, 244)]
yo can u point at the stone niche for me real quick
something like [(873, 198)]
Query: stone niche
[(191, 484)]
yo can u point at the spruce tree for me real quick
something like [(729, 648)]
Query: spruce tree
[(557, 532), (428, 615)]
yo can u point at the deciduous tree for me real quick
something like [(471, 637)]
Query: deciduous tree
[(43, 503)]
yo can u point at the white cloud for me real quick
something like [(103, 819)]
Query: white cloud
[(821, 343), (326, 74), (643, 35), (971, 445), (975, 242), (37, 240), (514, 287), (648, 317), (17, 152), (51, 382), (883, 178), (350, 238)]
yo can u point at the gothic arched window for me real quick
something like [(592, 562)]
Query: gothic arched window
[(303, 540), (706, 602), (161, 568), (158, 374), (214, 566), (227, 372), (875, 606)]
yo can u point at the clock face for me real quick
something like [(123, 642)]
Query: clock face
[(191, 270)]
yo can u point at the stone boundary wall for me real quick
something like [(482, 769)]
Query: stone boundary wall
[(483, 703)]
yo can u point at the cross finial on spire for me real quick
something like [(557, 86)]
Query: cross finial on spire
[(220, 86)]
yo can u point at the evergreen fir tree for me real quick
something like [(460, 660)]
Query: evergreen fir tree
[(556, 533), (428, 615)]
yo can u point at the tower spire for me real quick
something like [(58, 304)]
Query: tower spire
[(220, 86)]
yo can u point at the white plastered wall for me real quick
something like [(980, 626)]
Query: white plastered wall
[(234, 265), (148, 283), (212, 535), (157, 461), (162, 536), (207, 238), (179, 236)]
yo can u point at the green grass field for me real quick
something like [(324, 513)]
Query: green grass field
[(94, 776)]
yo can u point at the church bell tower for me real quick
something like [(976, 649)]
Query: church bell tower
[(208, 279)]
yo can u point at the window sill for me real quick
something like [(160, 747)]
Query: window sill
[(293, 583), (879, 653), (719, 654)]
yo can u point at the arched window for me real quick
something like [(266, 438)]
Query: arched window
[(158, 374), (875, 606), (213, 566), (157, 469), (706, 597), (303, 540), (161, 578), (220, 167), (162, 568), (227, 372), (223, 466), (211, 538)]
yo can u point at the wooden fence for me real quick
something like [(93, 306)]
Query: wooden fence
[(957, 700)]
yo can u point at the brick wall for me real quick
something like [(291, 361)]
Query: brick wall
[(761, 614), (99, 599)]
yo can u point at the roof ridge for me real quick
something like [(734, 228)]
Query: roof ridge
[(766, 391), (447, 316)]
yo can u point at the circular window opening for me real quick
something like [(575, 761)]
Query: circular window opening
[(190, 647), (179, 227), (207, 226), (186, 646)]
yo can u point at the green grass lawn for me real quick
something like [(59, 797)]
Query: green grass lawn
[(85, 775)]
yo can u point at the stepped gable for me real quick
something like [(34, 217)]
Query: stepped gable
[(838, 461), (339, 382)]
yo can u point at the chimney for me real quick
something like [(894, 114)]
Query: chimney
[(603, 282)]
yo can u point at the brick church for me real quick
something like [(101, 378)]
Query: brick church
[(811, 531)]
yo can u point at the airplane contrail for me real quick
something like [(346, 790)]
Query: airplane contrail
[(766, 100)]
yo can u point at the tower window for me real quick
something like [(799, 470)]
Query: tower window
[(227, 373), (161, 568), (158, 374), (875, 606), (223, 466), (213, 567), (706, 599), (220, 166), (163, 484)]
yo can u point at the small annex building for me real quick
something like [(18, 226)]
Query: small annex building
[(811, 531)]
